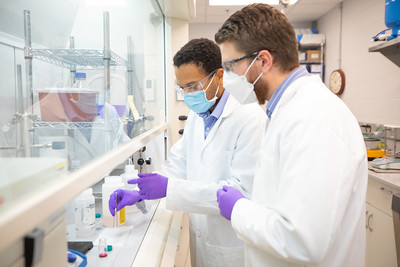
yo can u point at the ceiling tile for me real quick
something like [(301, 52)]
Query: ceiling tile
[(302, 11)]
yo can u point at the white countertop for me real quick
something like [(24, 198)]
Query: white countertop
[(392, 179)]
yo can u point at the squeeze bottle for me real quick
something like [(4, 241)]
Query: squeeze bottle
[(84, 213), (130, 173), (111, 183)]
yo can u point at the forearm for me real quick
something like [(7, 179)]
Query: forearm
[(194, 197)]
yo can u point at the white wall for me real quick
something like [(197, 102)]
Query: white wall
[(372, 89), (203, 30), (177, 36)]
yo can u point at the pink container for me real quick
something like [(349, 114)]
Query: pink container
[(68, 104)]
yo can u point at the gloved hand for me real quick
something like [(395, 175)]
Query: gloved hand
[(151, 185), (227, 198), (124, 198)]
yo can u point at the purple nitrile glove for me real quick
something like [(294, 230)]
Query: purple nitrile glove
[(151, 185), (124, 198), (227, 198)]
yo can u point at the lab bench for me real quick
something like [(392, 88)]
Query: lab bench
[(125, 240), (159, 228), (43, 208), (149, 239)]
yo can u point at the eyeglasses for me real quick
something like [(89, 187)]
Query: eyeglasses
[(227, 65), (197, 86)]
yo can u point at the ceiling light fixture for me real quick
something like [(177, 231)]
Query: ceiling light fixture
[(105, 3), (245, 2)]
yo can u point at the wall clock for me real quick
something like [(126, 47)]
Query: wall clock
[(337, 82)]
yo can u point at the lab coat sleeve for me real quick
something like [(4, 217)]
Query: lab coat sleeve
[(317, 169), (198, 197)]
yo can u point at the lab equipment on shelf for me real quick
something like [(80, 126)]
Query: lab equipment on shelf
[(386, 163), (77, 103), (392, 17), (111, 183), (390, 160), (80, 80), (84, 212), (53, 146)]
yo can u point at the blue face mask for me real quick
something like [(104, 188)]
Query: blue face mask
[(198, 102)]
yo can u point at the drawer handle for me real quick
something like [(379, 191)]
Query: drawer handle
[(387, 191), (368, 224)]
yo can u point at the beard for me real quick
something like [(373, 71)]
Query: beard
[(260, 89)]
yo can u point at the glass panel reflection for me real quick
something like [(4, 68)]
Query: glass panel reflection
[(81, 78)]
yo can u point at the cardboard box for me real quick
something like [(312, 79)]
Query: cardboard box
[(313, 55), (316, 68), (302, 56), (312, 39)]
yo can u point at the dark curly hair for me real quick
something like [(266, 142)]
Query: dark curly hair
[(202, 52), (259, 26)]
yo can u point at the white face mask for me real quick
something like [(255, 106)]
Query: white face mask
[(239, 87)]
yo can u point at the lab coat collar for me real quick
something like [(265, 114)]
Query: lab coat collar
[(230, 106), (291, 90)]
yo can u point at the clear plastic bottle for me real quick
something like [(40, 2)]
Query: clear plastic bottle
[(111, 183), (80, 102), (84, 213), (80, 80)]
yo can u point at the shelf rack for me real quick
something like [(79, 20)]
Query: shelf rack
[(390, 49), (68, 125), (73, 59), (78, 58), (307, 46)]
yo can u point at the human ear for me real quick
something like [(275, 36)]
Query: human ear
[(219, 75), (266, 60)]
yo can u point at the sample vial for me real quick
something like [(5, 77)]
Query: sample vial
[(102, 248), (99, 223)]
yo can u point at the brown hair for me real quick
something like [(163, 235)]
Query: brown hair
[(258, 27)]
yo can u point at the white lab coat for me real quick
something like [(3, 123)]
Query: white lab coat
[(197, 168), (84, 150), (308, 201)]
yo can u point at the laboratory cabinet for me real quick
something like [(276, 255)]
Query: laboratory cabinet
[(380, 245)]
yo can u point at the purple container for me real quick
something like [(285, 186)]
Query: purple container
[(119, 108)]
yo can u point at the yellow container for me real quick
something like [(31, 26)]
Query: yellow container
[(376, 153)]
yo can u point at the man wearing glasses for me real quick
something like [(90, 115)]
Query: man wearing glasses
[(308, 200), (219, 147)]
